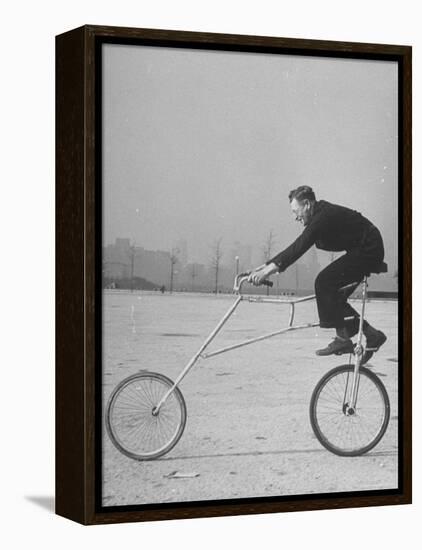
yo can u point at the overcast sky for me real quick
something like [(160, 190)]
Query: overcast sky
[(200, 145)]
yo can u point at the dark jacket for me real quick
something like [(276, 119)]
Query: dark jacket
[(334, 228)]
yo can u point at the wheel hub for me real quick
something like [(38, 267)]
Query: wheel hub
[(347, 410)]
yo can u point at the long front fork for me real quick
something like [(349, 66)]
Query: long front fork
[(351, 398), (197, 355)]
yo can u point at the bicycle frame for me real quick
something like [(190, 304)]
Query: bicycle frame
[(359, 351), (239, 281)]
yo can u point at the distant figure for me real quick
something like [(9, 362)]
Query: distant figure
[(162, 289), (334, 228)]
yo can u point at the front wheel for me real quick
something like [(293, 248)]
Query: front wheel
[(133, 423), (339, 428)]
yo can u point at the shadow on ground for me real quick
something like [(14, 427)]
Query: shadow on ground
[(46, 502)]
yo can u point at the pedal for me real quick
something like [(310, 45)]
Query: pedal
[(343, 352)]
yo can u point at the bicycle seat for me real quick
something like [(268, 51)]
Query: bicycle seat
[(381, 267)]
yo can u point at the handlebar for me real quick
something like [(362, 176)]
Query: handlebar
[(242, 278)]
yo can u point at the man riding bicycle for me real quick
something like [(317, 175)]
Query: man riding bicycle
[(334, 228)]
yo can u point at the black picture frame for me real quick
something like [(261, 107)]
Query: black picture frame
[(78, 272)]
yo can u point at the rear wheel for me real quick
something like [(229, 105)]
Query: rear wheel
[(341, 429)]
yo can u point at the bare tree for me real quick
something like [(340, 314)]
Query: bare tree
[(193, 274), (173, 261), (217, 254), (132, 254), (267, 250)]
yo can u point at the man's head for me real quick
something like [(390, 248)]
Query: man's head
[(302, 202)]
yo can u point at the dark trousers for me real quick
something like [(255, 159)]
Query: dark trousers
[(333, 309)]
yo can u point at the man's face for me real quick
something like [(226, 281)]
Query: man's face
[(301, 211)]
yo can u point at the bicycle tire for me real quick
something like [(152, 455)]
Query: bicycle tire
[(335, 406), (131, 425)]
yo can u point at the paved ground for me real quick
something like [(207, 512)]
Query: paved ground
[(248, 432)]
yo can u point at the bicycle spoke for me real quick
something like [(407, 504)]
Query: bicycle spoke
[(339, 427), (134, 428)]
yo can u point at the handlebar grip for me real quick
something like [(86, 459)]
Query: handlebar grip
[(264, 283)]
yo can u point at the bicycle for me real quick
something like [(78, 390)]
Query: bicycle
[(349, 408)]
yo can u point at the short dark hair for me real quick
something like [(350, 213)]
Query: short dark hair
[(302, 193)]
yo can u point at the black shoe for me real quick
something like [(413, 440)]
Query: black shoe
[(374, 340), (336, 347)]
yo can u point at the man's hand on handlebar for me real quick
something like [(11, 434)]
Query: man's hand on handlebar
[(261, 273)]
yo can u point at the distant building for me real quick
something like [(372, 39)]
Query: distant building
[(116, 260), (123, 261), (182, 251), (153, 265), (122, 244)]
